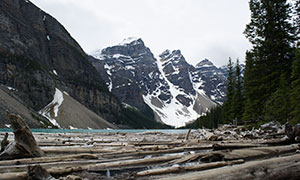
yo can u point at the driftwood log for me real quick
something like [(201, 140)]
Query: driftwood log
[(198, 167), (38, 173), (270, 169), (292, 132), (24, 144), (4, 142)]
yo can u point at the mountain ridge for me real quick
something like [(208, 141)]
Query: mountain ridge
[(44, 72), (171, 86), (38, 56)]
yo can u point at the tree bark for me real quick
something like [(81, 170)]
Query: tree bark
[(178, 169), (270, 169), (38, 173), (24, 144), (4, 142)]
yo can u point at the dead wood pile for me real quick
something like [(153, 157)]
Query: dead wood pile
[(225, 153)]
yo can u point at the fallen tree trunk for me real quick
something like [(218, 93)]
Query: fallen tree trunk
[(75, 150), (270, 169), (47, 159), (220, 146), (259, 152), (179, 169), (24, 144), (164, 151), (56, 171), (135, 162)]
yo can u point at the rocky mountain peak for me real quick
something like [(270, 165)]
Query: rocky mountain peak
[(129, 48), (175, 90), (174, 56), (131, 41), (204, 63)]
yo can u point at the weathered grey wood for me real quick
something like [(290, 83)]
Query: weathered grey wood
[(75, 150), (292, 132), (24, 144), (270, 169), (188, 134), (179, 169), (134, 162), (4, 142), (47, 159), (222, 146), (259, 152), (37, 172)]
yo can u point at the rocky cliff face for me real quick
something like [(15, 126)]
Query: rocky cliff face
[(176, 91), (210, 79), (37, 55), (131, 72)]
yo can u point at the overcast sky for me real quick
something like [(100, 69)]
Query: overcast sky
[(201, 29)]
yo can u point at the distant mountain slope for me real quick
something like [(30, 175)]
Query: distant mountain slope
[(37, 55), (176, 91), (10, 103), (66, 112), (123, 84)]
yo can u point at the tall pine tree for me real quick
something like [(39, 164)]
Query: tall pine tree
[(295, 90), (278, 106), (270, 32), (228, 105), (295, 77), (238, 98), (297, 19)]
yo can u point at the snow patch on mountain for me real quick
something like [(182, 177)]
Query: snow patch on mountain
[(51, 110), (171, 112), (129, 41), (176, 91)]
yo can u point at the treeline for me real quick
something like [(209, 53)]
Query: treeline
[(270, 87)]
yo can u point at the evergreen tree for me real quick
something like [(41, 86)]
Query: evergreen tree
[(297, 20), (228, 105), (295, 90), (211, 119), (278, 106), (238, 98), (251, 87), (271, 34)]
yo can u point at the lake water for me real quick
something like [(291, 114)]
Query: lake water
[(168, 131)]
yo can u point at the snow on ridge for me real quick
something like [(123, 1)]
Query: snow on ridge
[(97, 54), (173, 112), (53, 108), (128, 41)]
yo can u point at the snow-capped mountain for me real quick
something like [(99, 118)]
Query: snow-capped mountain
[(176, 91), (212, 80)]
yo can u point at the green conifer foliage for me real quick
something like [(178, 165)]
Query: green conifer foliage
[(295, 90), (271, 34), (278, 106), (228, 105), (238, 98), (251, 88)]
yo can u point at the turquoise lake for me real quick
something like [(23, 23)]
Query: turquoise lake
[(168, 131)]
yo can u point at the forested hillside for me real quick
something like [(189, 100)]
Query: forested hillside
[(269, 90)]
